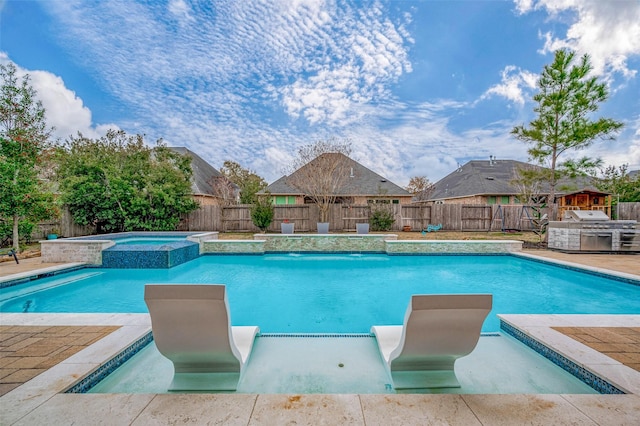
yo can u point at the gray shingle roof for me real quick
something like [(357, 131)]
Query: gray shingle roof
[(203, 172), (362, 182), (492, 177)]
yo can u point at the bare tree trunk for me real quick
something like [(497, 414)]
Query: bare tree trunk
[(16, 235)]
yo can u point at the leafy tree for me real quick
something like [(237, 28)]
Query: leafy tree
[(262, 212), (618, 182), (24, 135), (419, 187), (248, 181), (117, 183), (320, 171), (567, 97)]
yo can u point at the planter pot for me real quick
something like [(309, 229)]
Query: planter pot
[(287, 228), (52, 237), (406, 228), (362, 228), (323, 227)]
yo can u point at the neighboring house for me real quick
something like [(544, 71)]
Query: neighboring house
[(208, 185), (492, 182), (362, 186)]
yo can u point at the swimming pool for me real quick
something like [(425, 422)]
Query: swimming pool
[(329, 293)]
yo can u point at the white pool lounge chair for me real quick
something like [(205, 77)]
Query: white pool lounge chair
[(192, 327), (437, 330)]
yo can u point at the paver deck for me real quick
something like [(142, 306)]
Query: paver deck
[(619, 343), (26, 351)]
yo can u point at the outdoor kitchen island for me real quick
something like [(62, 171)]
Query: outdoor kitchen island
[(593, 231)]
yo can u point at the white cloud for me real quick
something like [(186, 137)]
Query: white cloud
[(317, 58), (63, 109), (523, 6), (181, 11), (607, 30), (514, 81)]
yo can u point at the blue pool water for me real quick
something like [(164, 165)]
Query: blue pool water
[(328, 293)]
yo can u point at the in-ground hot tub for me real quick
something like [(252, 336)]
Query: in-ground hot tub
[(149, 254), (127, 249)]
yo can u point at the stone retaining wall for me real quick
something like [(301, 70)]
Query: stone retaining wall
[(453, 246), (71, 251), (232, 247), (90, 251), (369, 243)]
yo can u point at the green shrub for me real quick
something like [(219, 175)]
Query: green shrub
[(381, 219), (262, 213)]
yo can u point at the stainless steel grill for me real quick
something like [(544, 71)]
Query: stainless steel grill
[(585, 216)]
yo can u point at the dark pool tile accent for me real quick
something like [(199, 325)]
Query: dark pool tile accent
[(596, 382), (150, 256), (580, 269), (84, 385), (448, 254), (318, 335), (326, 252)]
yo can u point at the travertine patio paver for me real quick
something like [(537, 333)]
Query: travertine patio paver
[(26, 351)]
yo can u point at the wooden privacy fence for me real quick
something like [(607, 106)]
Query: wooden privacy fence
[(452, 217), (343, 217), (628, 211)]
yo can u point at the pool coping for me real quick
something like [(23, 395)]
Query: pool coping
[(607, 273), (592, 367)]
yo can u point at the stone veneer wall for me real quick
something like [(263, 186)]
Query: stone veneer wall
[(201, 238), (63, 250), (369, 243), (90, 251), (232, 247), (453, 246), (563, 238)]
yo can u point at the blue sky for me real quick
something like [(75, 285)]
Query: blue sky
[(417, 86)]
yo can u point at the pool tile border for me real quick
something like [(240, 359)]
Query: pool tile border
[(596, 369), (88, 382), (597, 383)]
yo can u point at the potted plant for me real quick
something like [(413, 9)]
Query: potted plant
[(286, 227), (362, 228), (53, 234)]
